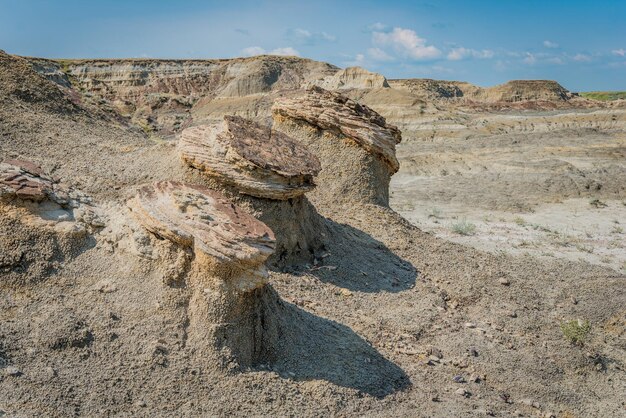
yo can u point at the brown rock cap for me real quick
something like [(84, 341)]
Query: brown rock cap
[(204, 220), (332, 111), (256, 159), (25, 180)]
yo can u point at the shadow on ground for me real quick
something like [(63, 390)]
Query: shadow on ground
[(309, 347), (357, 261)]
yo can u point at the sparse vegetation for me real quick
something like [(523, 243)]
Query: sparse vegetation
[(542, 228), (584, 248), (464, 228), (576, 331), (435, 213), (604, 95), (520, 221), (598, 204)]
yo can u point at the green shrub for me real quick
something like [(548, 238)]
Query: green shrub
[(576, 331), (464, 228)]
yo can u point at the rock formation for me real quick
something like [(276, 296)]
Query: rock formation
[(257, 161), (353, 78), (25, 185), (227, 277), (354, 144), (56, 220), (25, 180), (265, 171)]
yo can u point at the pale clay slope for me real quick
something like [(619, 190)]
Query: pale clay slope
[(380, 324)]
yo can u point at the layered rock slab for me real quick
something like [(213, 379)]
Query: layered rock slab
[(355, 145), (24, 179), (227, 277), (256, 160), (265, 171)]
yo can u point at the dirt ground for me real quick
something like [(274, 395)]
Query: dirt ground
[(396, 320), (522, 184)]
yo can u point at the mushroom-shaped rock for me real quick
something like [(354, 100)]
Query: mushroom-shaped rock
[(24, 180), (256, 160), (264, 171), (227, 276), (355, 145), (205, 221)]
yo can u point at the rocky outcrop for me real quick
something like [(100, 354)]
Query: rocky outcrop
[(513, 91), (165, 96), (255, 159), (265, 171), (57, 220), (23, 179), (355, 145), (227, 277), (353, 78), (20, 82), (525, 90), (25, 185)]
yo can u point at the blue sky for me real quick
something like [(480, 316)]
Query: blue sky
[(582, 44)]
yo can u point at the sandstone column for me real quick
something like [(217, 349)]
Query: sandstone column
[(354, 144), (228, 275)]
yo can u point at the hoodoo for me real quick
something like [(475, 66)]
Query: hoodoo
[(355, 144), (265, 171), (227, 276)]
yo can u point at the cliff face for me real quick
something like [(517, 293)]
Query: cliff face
[(509, 92), (166, 96)]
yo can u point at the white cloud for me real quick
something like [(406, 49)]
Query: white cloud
[(619, 52), (406, 43), (550, 44), (460, 53), (556, 60), (358, 60), (257, 50), (581, 58), (377, 27), (252, 50), (378, 54), (285, 51), (530, 59), (307, 37)]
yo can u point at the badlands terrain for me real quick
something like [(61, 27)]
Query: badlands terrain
[(279, 236)]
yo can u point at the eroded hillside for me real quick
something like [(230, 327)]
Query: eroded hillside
[(240, 269)]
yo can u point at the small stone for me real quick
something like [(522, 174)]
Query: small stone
[(504, 281), (345, 293), (459, 379), (470, 325), (462, 392), (474, 378), (106, 286), (513, 314), (12, 371), (472, 352), (435, 352), (50, 372), (435, 398), (574, 300)]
